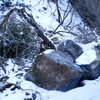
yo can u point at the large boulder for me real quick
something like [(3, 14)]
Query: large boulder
[(53, 70), (70, 47)]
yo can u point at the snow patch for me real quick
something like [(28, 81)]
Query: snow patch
[(87, 57), (87, 92), (48, 51)]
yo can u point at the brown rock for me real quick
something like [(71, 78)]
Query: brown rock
[(53, 70), (70, 47)]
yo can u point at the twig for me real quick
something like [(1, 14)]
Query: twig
[(38, 30), (3, 78), (70, 19), (68, 32), (29, 18), (8, 85), (38, 3), (62, 21), (58, 11), (2, 66), (6, 17), (73, 27), (66, 10)]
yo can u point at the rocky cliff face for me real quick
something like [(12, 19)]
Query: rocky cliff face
[(89, 10)]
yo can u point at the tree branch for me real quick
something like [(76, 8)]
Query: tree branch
[(6, 17), (29, 18), (38, 30)]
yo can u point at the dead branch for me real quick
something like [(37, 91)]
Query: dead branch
[(62, 20), (74, 34), (8, 85), (38, 29), (2, 66), (71, 19), (58, 11), (29, 18), (6, 17), (3, 78)]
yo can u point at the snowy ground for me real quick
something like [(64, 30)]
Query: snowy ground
[(90, 90), (15, 73)]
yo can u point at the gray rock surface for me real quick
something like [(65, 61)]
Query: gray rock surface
[(53, 70), (70, 47), (89, 10), (91, 71)]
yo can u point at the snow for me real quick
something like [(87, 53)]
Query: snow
[(87, 57), (89, 54), (13, 96), (90, 91), (87, 92), (89, 46), (48, 20), (48, 51)]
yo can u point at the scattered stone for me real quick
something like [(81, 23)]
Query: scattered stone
[(28, 99), (27, 93), (71, 47)]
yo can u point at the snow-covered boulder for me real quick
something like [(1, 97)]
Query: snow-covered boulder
[(53, 70), (89, 61), (71, 47)]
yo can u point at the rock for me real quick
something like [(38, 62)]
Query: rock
[(70, 47), (8, 4), (67, 54), (95, 70), (60, 47), (91, 71), (54, 71), (55, 39)]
